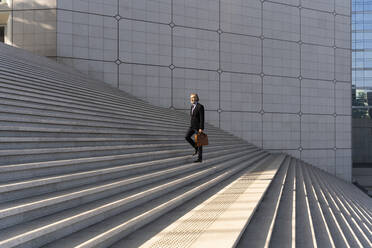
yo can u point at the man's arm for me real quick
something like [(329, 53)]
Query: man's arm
[(201, 112)]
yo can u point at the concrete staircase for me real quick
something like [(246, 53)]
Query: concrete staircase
[(86, 165)]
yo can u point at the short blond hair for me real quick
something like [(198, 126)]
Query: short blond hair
[(196, 95)]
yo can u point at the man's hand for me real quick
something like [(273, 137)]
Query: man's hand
[(200, 130)]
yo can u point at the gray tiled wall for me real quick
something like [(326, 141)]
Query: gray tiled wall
[(276, 73)]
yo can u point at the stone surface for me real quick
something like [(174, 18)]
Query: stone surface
[(281, 41), (84, 164)]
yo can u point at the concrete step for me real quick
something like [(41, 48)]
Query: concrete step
[(55, 142), (310, 206), (321, 227), (85, 85), (140, 236), (50, 154), (36, 113), (71, 78), (353, 227), (43, 70), (283, 232), (304, 224), (42, 95), (60, 167), (13, 172), (13, 83), (114, 229), (10, 80), (359, 197), (30, 114), (20, 107), (35, 121), (29, 122), (45, 230), (72, 190), (84, 164), (16, 99), (360, 203), (232, 206), (59, 71), (52, 142), (261, 230), (333, 214), (24, 131)]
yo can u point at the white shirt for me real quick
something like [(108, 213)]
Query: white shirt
[(194, 106)]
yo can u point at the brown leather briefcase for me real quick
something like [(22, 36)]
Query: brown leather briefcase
[(201, 139)]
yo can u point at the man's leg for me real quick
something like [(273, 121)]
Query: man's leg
[(200, 153), (188, 135)]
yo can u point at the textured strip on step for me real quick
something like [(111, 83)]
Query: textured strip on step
[(220, 220)]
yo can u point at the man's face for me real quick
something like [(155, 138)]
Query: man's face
[(192, 99)]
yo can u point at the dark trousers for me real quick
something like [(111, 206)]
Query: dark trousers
[(190, 132)]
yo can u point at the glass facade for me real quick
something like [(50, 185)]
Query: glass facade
[(362, 58)]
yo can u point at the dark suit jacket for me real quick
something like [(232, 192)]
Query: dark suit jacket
[(197, 117)]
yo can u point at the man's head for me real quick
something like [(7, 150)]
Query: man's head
[(194, 98)]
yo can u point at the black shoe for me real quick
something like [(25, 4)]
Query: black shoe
[(198, 161), (195, 152)]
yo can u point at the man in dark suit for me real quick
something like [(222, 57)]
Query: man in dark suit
[(196, 125)]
